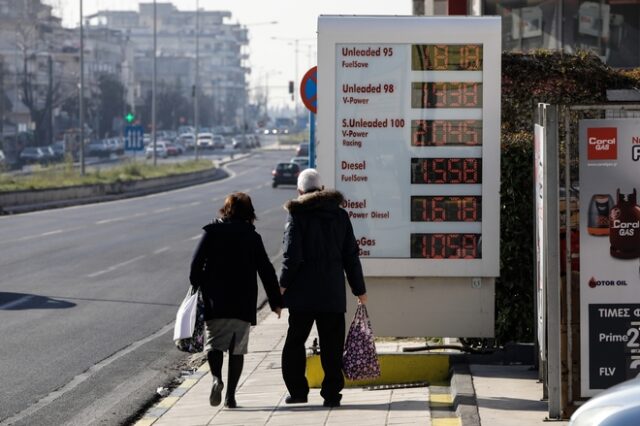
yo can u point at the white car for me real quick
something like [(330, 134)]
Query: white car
[(617, 406), (205, 140), (161, 150), (303, 162)]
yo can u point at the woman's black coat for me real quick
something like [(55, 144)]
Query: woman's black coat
[(224, 267), (319, 248)]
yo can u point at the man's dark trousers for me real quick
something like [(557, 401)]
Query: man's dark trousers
[(330, 327)]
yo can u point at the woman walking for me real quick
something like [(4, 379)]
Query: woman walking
[(224, 267)]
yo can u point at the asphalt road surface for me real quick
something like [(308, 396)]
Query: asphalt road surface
[(88, 295)]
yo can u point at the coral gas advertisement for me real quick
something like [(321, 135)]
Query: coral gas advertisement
[(609, 252)]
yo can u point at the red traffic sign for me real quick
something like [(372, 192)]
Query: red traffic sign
[(309, 90)]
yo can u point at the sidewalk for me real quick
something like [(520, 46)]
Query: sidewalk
[(506, 395)]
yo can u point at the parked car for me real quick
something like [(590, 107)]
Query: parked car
[(303, 162), (617, 406), (161, 150), (31, 155), (205, 140), (187, 139), (3, 159), (50, 154), (217, 142), (116, 145), (285, 174), (172, 150), (303, 150), (99, 149)]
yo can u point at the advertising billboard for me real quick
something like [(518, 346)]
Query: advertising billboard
[(609, 252)]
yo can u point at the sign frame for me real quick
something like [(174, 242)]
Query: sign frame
[(409, 30)]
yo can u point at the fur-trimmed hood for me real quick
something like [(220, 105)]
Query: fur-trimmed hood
[(318, 200)]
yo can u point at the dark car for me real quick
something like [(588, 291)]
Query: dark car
[(285, 174), (32, 154), (303, 150)]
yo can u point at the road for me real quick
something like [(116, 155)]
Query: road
[(88, 295)]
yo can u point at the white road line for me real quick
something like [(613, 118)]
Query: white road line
[(115, 219), (271, 210), (166, 209), (16, 302), (197, 237), (57, 231), (162, 250), (83, 377), (195, 203), (114, 267)]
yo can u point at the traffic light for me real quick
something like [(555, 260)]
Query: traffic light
[(291, 89), (129, 117)]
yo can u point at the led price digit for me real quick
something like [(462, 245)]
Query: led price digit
[(446, 95), (446, 208), (446, 57), (446, 132), (446, 170), (445, 246)]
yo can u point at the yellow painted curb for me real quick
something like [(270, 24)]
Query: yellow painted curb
[(168, 402), (396, 368), (189, 382), (145, 421), (441, 398)]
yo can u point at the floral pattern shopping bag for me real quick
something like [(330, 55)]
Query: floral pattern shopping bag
[(360, 360)]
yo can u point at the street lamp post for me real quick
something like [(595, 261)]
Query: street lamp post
[(153, 85), (296, 42), (81, 100), (196, 84)]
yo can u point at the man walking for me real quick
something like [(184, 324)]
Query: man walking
[(319, 247)]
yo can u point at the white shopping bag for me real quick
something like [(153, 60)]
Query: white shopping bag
[(186, 316)]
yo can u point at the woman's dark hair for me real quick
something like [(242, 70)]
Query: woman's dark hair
[(237, 206)]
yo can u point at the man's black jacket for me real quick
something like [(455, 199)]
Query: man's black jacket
[(319, 247)]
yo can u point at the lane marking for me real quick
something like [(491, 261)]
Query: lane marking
[(197, 237), (165, 209), (83, 377), (195, 203), (44, 234), (16, 302), (116, 266), (162, 250)]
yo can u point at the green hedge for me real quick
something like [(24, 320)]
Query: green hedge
[(528, 79)]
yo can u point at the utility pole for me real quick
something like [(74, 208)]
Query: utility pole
[(81, 101), (50, 100), (2, 97), (196, 84), (153, 85)]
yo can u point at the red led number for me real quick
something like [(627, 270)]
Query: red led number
[(446, 208), (446, 132), (446, 57), (446, 95), (446, 170), (445, 246)]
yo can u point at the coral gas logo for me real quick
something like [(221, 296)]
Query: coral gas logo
[(602, 143)]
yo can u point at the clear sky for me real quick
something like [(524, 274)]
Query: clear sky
[(297, 19)]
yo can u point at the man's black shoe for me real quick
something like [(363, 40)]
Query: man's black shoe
[(295, 400), (331, 403)]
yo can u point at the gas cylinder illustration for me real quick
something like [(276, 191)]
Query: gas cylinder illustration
[(624, 227), (598, 220)]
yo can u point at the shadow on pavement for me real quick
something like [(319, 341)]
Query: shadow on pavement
[(22, 301)]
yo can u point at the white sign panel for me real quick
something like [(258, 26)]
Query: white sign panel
[(609, 252), (409, 132)]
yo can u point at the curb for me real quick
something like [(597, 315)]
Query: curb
[(464, 394), (166, 403)]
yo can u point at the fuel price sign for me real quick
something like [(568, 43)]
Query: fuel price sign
[(409, 131)]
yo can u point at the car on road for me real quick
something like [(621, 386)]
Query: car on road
[(303, 162), (172, 149), (32, 155), (217, 142), (205, 140), (617, 406), (285, 174), (303, 150), (99, 148), (161, 150)]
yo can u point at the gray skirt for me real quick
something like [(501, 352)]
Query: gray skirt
[(220, 333)]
